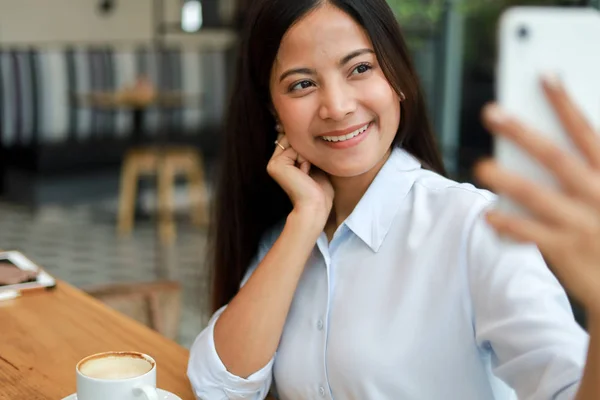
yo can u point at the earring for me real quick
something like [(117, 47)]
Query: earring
[(278, 128), (402, 96)]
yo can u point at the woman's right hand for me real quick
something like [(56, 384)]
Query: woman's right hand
[(309, 189)]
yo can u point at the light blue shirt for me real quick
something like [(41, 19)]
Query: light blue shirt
[(414, 298)]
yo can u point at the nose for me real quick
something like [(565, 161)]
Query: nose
[(337, 102)]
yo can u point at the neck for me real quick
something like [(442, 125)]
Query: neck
[(349, 191)]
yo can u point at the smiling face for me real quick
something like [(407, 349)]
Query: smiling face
[(333, 100)]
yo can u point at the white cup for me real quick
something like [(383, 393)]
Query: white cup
[(117, 376)]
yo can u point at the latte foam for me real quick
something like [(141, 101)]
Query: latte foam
[(114, 367)]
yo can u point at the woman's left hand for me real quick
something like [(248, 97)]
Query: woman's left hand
[(564, 222)]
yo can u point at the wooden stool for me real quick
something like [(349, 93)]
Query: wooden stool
[(154, 304), (166, 164)]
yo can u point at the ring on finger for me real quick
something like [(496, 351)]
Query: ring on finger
[(280, 145)]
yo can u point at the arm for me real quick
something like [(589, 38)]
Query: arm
[(215, 365), (247, 333), (233, 357), (522, 317), (564, 222), (589, 388)]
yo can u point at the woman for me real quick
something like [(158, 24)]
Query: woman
[(346, 265)]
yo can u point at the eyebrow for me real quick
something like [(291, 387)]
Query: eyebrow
[(307, 71)]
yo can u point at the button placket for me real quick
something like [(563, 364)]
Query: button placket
[(328, 258)]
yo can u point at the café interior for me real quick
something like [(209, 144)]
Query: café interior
[(111, 119)]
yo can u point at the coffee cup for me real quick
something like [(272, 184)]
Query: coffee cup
[(115, 375)]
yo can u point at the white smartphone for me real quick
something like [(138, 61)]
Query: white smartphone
[(534, 41)]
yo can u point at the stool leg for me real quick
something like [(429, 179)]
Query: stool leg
[(197, 191), (156, 317), (129, 177), (166, 176)]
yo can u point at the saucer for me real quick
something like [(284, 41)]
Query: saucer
[(162, 395)]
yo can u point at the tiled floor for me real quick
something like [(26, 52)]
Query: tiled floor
[(79, 246)]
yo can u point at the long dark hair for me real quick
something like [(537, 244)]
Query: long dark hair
[(248, 202)]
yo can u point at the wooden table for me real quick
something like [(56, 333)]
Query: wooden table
[(44, 335)]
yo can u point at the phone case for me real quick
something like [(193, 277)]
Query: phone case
[(42, 279), (534, 41)]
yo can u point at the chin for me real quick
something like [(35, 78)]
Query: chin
[(349, 169)]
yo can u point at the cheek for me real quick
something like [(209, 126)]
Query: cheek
[(383, 101), (296, 116)]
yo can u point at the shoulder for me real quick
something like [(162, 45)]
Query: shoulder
[(436, 184), (267, 241), (269, 238), (436, 211), (446, 195)]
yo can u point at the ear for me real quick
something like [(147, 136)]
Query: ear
[(273, 112)]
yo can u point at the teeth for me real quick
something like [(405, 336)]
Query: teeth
[(345, 137)]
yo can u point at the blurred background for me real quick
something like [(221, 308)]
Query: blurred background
[(111, 118)]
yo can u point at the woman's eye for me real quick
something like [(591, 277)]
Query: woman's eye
[(361, 69), (301, 85)]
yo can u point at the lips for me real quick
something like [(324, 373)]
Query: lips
[(348, 136), (345, 134)]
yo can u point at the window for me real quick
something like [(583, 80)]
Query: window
[(191, 15)]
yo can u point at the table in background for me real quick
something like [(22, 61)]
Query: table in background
[(43, 336)]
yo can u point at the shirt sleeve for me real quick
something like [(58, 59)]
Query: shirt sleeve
[(211, 380), (207, 373), (522, 317)]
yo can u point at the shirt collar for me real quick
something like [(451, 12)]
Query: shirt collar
[(372, 217)]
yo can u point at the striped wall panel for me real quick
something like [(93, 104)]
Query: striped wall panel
[(39, 88)]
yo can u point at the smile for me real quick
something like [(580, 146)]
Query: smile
[(349, 136)]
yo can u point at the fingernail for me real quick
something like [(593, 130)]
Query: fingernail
[(495, 114), (552, 80)]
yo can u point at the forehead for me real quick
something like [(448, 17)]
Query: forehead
[(326, 34)]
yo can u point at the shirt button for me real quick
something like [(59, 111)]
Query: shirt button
[(320, 324), (322, 391)]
